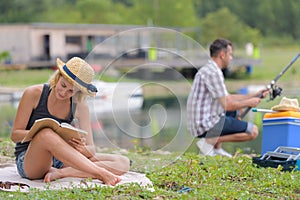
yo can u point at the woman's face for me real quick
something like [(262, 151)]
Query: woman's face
[(64, 89)]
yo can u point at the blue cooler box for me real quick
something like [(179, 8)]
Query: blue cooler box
[(280, 129)]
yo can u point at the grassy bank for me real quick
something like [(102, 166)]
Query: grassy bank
[(188, 176), (23, 78)]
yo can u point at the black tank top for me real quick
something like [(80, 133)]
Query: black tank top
[(41, 111)]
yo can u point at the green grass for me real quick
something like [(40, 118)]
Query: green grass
[(274, 61), (206, 177), (23, 78)]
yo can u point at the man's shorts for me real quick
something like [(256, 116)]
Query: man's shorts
[(228, 125), (20, 164)]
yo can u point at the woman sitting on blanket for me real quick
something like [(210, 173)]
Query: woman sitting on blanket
[(47, 155)]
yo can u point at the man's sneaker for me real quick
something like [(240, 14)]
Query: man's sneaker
[(222, 152), (205, 148)]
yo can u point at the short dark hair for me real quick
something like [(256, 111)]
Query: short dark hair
[(218, 45)]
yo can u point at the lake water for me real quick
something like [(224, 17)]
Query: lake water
[(159, 125)]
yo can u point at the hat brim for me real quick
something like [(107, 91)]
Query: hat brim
[(285, 108), (60, 64)]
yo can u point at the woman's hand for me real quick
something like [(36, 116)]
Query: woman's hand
[(80, 145)]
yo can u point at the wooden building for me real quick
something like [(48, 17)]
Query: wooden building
[(44, 42)]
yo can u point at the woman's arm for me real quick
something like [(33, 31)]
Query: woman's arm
[(27, 103), (86, 146)]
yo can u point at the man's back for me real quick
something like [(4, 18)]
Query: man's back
[(203, 108)]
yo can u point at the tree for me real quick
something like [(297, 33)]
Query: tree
[(165, 13), (224, 24), (276, 18), (21, 10), (272, 17)]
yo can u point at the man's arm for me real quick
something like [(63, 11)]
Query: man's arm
[(233, 102), (261, 93)]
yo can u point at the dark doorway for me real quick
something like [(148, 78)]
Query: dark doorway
[(47, 47)]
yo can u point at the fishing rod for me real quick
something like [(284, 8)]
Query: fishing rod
[(274, 90)]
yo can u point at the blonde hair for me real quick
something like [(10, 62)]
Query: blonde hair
[(78, 96)]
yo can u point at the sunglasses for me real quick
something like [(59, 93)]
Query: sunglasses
[(8, 185)]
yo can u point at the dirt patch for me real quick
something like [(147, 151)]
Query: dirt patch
[(6, 160)]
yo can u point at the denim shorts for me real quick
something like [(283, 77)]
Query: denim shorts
[(228, 125), (20, 164)]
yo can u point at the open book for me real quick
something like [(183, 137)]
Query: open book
[(65, 130)]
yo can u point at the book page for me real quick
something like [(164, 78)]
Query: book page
[(69, 126), (66, 131)]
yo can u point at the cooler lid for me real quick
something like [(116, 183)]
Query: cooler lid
[(282, 114)]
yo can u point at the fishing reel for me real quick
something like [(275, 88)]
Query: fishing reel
[(274, 92)]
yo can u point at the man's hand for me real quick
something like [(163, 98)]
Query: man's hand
[(262, 93), (253, 102)]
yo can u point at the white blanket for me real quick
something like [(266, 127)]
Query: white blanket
[(8, 172)]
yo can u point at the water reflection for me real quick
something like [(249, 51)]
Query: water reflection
[(156, 126)]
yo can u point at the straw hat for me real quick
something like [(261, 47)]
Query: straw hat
[(287, 104), (79, 73)]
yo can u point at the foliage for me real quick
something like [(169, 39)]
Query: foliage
[(22, 10), (216, 24), (269, 18), (93, 11), (4, 55), (166, 13)]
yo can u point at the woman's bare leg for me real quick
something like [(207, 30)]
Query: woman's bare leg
[(116, 164), (38, 159), (54, 174)]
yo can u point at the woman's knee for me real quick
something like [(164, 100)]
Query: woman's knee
[(46, 135), (124, 161)]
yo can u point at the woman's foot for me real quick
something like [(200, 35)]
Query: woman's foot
[(52, 175), (108, 178)]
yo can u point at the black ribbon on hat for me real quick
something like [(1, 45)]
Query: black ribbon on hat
[(89, 87)]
